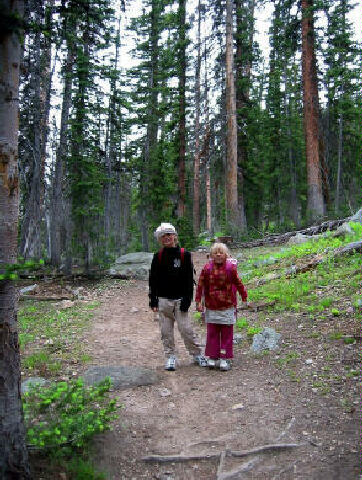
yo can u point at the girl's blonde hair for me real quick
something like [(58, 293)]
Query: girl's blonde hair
[(220, 247)]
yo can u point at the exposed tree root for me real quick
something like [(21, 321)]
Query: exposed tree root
[(228, 453)]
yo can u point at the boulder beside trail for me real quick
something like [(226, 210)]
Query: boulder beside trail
[(133, 265)]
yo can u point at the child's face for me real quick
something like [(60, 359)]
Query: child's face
[(168, 240), (219, 257)]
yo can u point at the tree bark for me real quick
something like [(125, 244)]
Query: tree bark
[(244, 21), (233, 216), (182, 108), (311, 114), (196, 193), (30, 244), (57, 204), (339, 163), (13, 454)]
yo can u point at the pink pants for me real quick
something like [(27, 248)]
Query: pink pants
[(219, 341)]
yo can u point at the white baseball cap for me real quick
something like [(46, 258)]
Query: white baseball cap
[(164, 228)]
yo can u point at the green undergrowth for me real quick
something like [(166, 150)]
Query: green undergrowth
[(51, 337), (314, 291), (61, 421), (318, 244)]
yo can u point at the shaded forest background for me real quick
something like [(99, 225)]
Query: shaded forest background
[(193, 127)]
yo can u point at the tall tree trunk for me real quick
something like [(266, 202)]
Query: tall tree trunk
[(244, 21), (111, 149), (339, 164), (13, 454), (30, 244), (311, 114), (57, 205), (196, 199), (234, 219), (152, 124), (182, 108)]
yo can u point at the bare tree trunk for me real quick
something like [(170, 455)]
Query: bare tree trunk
[(30, 244), (234, 219), (339, 165), (14, 462), (244, 20), (208, 194), (196, 199), (311, 113), (57, 203), (111, 149), (182, 108)]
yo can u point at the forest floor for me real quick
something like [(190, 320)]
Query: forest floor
[(305, 396)]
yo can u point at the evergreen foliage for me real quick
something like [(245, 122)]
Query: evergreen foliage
[(121, 160)]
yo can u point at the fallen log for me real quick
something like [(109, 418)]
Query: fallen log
[(228, 453), (255, 306), (47, 298), (277, 239)]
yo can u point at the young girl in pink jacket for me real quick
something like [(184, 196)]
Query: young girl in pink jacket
[(218, 284)]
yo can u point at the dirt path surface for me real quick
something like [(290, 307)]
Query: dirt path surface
[(196, 411)]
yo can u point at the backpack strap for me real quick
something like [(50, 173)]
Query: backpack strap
[(160, 255)]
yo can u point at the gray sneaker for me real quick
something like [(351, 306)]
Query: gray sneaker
[(200, 360), (170, 363), (225, 365), (211, 363)]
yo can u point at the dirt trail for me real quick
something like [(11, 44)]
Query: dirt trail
[(197, 411)]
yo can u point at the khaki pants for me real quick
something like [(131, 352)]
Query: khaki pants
[(170, 312)]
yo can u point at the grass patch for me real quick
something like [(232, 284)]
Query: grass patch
[(299, 293), (50, 337)]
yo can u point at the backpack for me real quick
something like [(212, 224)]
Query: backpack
[(229, 264)]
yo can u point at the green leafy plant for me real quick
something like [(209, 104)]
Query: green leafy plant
[(253, 331), (242, 323), (289, 358), (67, 415)]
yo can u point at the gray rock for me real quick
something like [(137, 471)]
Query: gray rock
[(29, 288), (298, 239), (136, 257), (266, 340), (135, 265), (33, 381), (343, 230), (357, 217), (122, 376)]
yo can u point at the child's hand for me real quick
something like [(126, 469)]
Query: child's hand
[(199, 307)]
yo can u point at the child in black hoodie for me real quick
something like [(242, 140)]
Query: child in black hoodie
[(171, 293)]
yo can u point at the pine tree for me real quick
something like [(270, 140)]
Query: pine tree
[(311, 113)]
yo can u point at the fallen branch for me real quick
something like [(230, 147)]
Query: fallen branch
[(221, 464), (228, 453), (235, 474), (255, 306), (46, 298), (276, 239)]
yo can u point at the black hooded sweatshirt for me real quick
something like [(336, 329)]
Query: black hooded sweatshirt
[(171, 278)]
